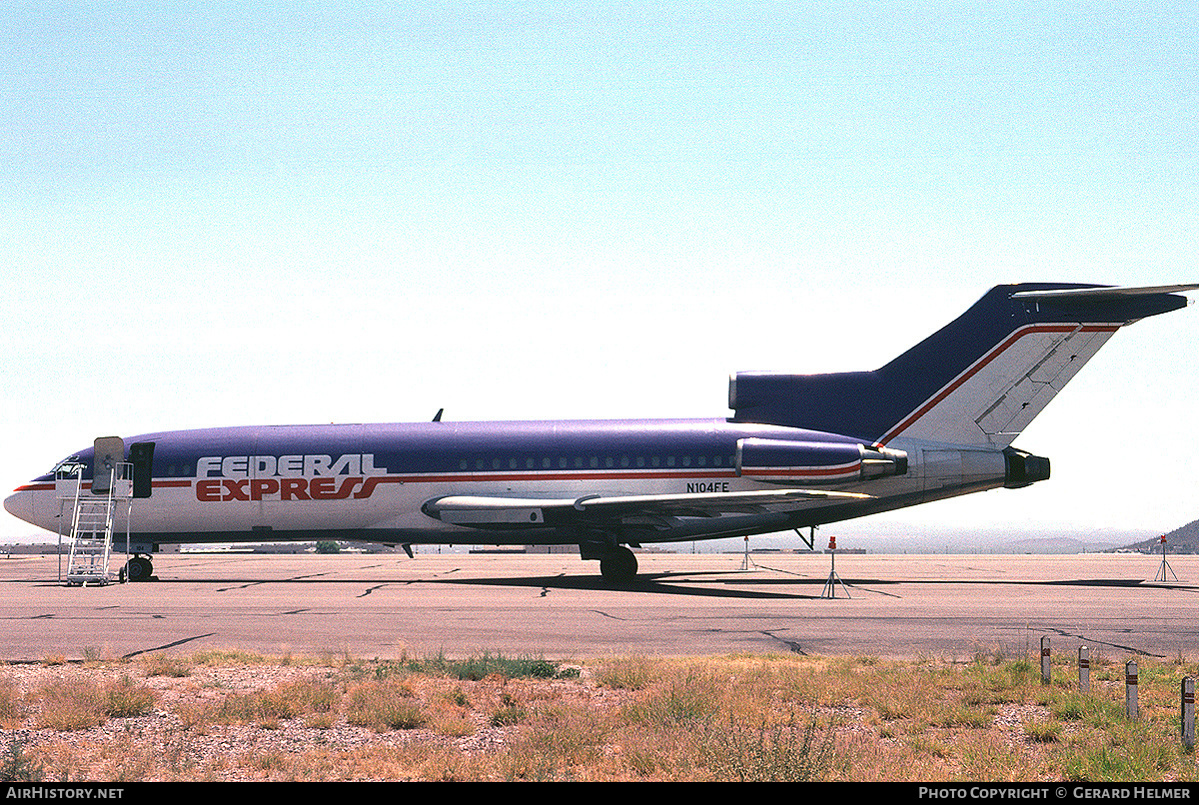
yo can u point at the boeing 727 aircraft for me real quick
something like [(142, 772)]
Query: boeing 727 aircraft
[(798, 451)]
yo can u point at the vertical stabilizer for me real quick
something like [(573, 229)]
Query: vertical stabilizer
[(979, 380)]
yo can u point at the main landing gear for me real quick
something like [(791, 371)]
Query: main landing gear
[(618, 565)]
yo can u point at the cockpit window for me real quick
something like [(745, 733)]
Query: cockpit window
[(68, 467)]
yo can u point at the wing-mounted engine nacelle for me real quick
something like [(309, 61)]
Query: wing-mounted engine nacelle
[(789, 462), (1022, 469)]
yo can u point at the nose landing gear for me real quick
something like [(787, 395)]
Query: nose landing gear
[(138, 568)]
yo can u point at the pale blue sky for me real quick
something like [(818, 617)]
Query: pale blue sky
[(228, 213)]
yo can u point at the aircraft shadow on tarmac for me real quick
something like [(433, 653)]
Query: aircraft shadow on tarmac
[(656, 583), (672, 583), (677, 583), (724, 585), (712, 584)]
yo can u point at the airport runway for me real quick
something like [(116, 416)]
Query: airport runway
[(556, 606)]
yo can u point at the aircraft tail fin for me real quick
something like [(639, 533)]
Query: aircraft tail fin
[(979, 380)]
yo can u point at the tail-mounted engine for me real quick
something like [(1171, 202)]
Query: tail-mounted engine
[(816, 462)]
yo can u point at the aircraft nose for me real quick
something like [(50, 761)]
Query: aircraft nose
[(20, 504)]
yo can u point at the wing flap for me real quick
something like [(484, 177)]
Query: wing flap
[(480, 511)]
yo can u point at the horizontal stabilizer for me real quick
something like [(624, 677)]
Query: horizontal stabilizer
[(1102, 292)]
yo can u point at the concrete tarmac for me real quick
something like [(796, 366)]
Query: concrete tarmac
[(556, 606)]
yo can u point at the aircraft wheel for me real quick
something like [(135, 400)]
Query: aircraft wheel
[(619, 565), (139, 568)]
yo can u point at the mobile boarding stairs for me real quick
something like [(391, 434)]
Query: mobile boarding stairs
[(95, 514)]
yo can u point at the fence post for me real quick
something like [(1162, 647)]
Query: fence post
[(1084, 669), (1044, 660), (1130, 690), (1188, 713)]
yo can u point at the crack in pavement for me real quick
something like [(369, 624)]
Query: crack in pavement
[(1064, 633), (179, 642)]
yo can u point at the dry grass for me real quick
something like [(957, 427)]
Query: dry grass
[(233, 716)]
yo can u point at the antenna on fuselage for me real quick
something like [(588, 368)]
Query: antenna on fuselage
[(437, 416)]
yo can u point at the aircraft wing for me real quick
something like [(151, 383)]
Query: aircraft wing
[(487, 512)]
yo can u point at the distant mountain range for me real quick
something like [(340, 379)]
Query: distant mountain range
[(1184, 539), (916, 538)]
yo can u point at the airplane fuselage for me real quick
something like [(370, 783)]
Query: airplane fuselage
[(371, 482)]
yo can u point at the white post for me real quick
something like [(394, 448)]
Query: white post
[(1188, 713), (1084, 669), (1130, 690), (1044, 660)]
